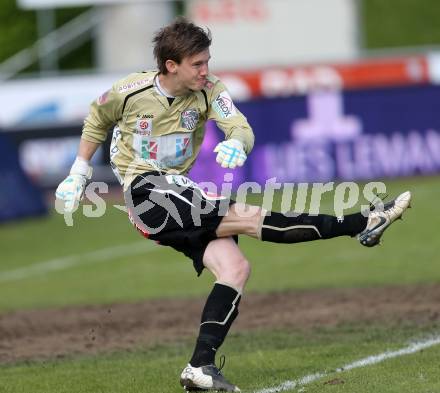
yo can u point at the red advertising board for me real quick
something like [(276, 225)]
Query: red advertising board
[(285, 81)]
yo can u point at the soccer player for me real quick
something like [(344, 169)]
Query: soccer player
[(158, 118)]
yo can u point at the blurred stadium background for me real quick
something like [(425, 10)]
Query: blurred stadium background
[(336, 90), (352, 82)]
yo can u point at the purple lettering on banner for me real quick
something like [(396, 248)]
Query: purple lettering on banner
[(363, 157), (344, 161), (418, 154), (291, 162), (326, 119), (390, 152), (433, 143), (320, 158)]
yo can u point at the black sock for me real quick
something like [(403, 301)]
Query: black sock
[(220, 311), (279, 228)]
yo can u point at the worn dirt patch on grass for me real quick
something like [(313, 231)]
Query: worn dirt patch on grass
[(52, 333)]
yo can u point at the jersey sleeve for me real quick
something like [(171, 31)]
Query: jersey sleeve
[(105, 111), (228, 118)]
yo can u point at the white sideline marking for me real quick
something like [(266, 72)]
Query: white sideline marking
[(368, 361), (101, 255)]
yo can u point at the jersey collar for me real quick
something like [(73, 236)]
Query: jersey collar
[(159, 89)]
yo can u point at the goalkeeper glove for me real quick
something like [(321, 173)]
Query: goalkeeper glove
[(230, 153), (71, 189)]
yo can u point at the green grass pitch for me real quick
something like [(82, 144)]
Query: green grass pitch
[(256, 360)]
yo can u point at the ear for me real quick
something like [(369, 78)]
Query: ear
[(171, 66)]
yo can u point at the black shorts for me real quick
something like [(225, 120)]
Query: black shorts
[(175, 212)]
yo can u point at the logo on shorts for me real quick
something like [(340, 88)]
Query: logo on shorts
[(149, 150), (189, 119), (224, 106), (182, 147), (144, 126)]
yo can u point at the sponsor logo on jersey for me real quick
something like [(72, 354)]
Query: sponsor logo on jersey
[(167, 150), (144, 127), (102, 99), (133, 85), (114, 150), (182, 145), (224, 106), (149, 150), (209, 85), (189, 119)]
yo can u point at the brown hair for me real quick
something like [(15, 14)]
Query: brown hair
[(178, 40)]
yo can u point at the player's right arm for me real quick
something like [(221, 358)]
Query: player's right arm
[(104, 112)]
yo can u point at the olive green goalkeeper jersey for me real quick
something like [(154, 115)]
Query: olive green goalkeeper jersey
[(150, 134)]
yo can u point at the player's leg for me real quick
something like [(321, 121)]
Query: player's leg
[(231, 270), (280, 228)]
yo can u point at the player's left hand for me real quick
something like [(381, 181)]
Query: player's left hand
[(230, 153)]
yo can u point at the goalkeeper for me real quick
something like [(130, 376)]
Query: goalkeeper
[(159, 118)]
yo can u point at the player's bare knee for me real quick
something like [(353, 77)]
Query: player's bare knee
[(243, 269), (237, 273)]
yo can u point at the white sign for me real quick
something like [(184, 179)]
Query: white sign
[(51, 100), (249, 34)]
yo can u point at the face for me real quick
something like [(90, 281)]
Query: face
[(191, 73)]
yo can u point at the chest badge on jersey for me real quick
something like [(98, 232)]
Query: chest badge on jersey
[(189, 119), (144, 127)]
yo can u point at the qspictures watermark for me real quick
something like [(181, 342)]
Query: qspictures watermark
[(294, 197)]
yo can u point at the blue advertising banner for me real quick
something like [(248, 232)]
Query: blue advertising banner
[(329, 135), (18, 196)]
